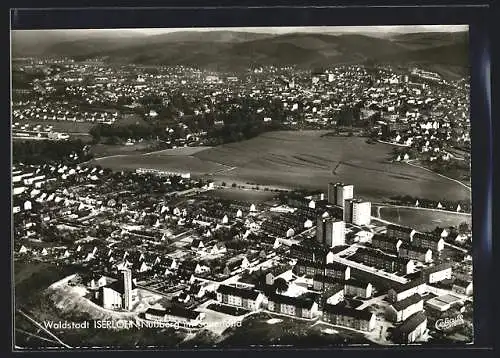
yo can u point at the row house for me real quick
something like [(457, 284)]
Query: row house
[(416, 253), (401, 310), (380, 260), (357, 288), (437, 273), (311, 253), (386, 243), (240, 297), (411, 329), (338, 315), (400, 232), (406, 290), (293, 306), (427, 241)]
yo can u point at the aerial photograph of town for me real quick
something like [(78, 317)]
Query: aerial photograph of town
[(199, 188)]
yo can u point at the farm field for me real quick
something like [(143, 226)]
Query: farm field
[(305, 159), (423, 220)]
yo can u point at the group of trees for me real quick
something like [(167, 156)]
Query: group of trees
[(49, 152), (114, 132)]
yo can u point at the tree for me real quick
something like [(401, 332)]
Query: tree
[(463, 228), (280, 284)]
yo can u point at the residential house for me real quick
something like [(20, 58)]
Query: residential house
[(401, 310), (426, 241), (309, 268), (325, 283), (175, 314), (463, 287), (399, 232), (437, 273), (338, 315), (357, 288), (406, 290), (292, 306), (411, 329), (218, 248), (335, 295), (386, 243), (197, 245), (338, 270), (417, 253), (240, 297)]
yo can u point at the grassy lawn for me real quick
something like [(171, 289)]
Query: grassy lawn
[(258, 330)]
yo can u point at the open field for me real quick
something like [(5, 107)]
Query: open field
[(423, 220), (241, 194), (178, 163), (182, 150), (261, 330), (305, 159), (103, 150)]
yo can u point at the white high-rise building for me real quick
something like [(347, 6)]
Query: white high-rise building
[(330, 232), (127, 289), (339, 192), (357, 211)]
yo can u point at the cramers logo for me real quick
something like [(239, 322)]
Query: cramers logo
[(445, 324)]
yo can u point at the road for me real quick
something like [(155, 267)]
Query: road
[(385, 275), (39, 325), (441, 175), (371, 301), (382, 205), (456, 247)]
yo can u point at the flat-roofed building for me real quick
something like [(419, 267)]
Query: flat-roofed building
[(330, 232), (357, 211), (339, 192), (442, 303)]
